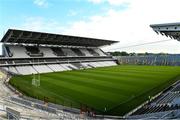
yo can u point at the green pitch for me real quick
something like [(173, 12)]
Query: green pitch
[(119, 89)]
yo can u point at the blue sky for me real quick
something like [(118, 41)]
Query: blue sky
[(15, 12), (126, 21)]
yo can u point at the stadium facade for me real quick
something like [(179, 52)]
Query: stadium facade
[(28, 52)]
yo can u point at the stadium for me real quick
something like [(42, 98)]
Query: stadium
[(71, 77)]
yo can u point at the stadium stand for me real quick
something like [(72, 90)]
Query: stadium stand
[(58, 51), (42, 68), (93, 52), (28, 52), (171, 30), (47, 52), (56, 67), (168, 29), (85, 51), (78, 52), (166, 104), (25, 70), (68, 52), (170, 59), (33, 51), (162, 106), (17, 51)]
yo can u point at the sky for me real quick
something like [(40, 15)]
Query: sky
[(126, 21)]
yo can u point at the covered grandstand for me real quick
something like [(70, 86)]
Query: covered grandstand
[(28, 52), (171, 30)]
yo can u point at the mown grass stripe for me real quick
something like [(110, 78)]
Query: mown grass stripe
[(119, 87)]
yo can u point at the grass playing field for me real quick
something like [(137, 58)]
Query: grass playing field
[(118, 88)]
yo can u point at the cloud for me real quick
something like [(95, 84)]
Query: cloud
[(111, 2), (40, 24), (118, 2), (131, 26), (41, 3), (96, 1)]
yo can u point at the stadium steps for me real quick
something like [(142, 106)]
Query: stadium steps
[(78, 65), (72, 68), (50, 68), (77, 51)]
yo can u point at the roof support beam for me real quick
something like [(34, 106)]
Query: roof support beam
[(19, 36), (9, 36)]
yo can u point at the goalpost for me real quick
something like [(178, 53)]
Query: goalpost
[(36, 81)]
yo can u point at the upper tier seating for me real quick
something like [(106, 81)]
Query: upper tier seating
[(33, 51), (68, 52), (47, 52), (2, 62), (78, 52), (9, 52), (18, 52), (94, 53), (58, 51), (85, 51), (100, 52)]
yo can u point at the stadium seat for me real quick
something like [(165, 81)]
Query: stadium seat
[(42, 68), (47, 52), (18, 52), (33, 51)]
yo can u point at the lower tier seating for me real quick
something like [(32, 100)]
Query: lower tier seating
[(42, 68), (167, 101), (56, 67), (25, 70), (34, 69)]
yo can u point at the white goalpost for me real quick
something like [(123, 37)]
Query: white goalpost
[(36, 81)]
